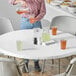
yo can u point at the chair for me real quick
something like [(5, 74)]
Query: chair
[(5, 26), (8, 67), (45, 23), (71, 69), (65, 23)]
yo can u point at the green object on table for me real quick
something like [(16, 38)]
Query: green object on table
[(19, 45), (45, 37)]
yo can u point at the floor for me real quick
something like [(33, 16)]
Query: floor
[(50, 68)]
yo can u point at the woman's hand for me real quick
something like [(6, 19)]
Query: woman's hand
[(33, 20)]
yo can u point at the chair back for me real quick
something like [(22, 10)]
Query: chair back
[(5, 25), (8, 67), (65, 23)]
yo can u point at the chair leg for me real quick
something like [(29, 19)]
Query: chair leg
[(43, 66), (20, 64), (59, 66), (17, 66), (52, 61), (14, 58), (27, 69), (69, 67), (8, 56), (18, 70), (71, 57)]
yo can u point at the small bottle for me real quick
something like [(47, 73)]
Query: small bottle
[(35, 41), (37, 36)]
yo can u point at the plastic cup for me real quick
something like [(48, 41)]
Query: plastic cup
[(45, 37), (63, 44), (54, 30), (22, 10), (32, 20), (19, 45)]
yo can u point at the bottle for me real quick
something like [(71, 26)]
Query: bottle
[(35, 41), (37, 36)]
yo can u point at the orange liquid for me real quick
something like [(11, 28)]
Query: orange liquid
[(63, 44), (54, 31), (32, 20), (21, 12)]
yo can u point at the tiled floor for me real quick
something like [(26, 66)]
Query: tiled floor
[(50, 70)]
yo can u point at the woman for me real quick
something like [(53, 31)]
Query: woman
[(31, 19)]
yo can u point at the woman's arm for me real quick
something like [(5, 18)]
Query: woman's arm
[(42, 11)]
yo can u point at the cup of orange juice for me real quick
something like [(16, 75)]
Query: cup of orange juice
[(63, 44), (32, 18), (54, 30), (19, 12)]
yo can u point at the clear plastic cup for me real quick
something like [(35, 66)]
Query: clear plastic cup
[(22, 10), (19, 45), (54, 30), (32, 18), (63, 44), (45, 35)]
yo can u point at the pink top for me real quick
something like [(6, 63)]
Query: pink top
[(37, 8)]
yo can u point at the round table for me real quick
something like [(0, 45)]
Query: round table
[(8, 46)]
